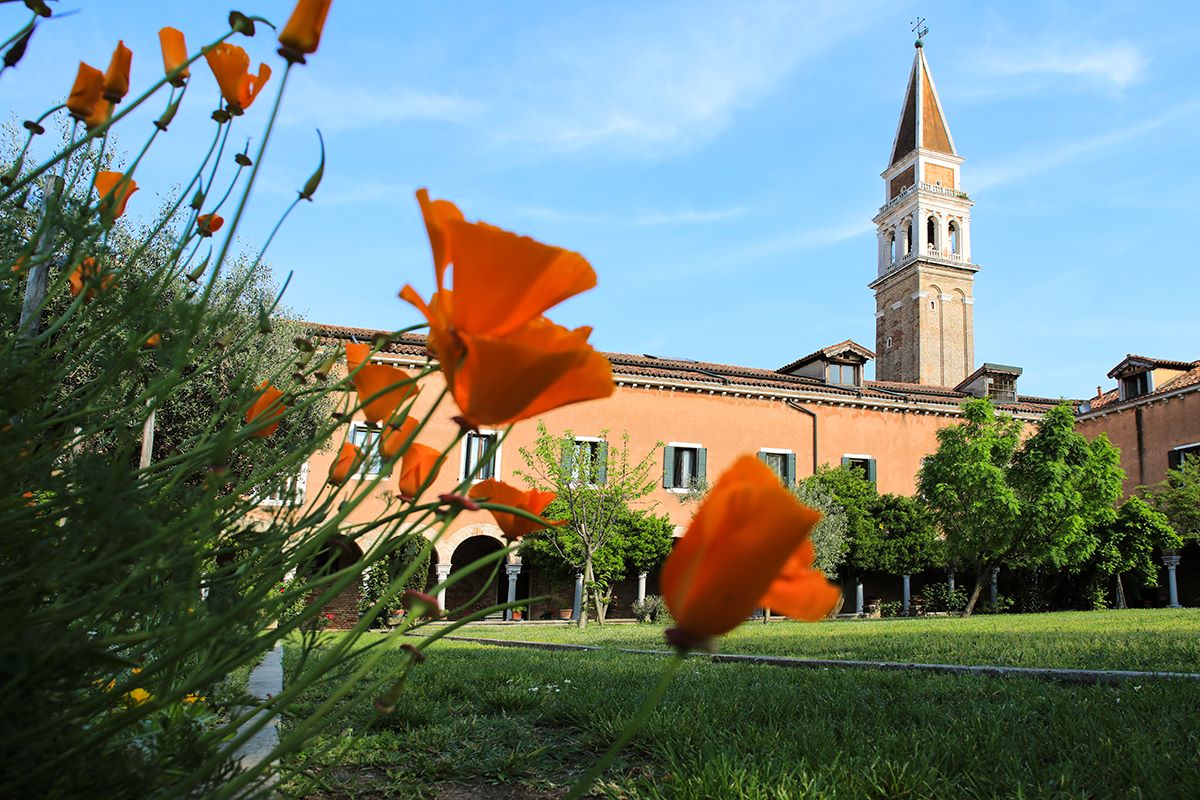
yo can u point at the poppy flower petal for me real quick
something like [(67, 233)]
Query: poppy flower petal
[(438, 214), (420, 465)]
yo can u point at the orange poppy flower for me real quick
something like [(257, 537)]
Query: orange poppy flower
[(208, 224), (748, 546), (267, 406), (87, 275), (394, 436), (116, 80), (100, 114), (153, 340), (115, 191), (175, 55), (532, 501), (87, 91), (382, 387), (302, 33), (504, 361), (230, 65), (420, 466), (349, 460)]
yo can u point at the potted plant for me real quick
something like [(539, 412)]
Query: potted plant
[(518, 613)]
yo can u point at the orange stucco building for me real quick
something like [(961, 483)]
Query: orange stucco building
[(816, 410)]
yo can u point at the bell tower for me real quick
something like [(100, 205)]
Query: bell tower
[(924, 320)]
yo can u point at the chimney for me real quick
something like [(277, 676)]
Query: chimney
[(1098, 392)]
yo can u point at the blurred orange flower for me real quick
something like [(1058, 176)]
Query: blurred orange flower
[(100, 114), (153, 340), (268, 407), (116, 80), (208, 224), (394, 436), (302, 33), (87, 275), (174, 53), (532, 501), (748, 546), (502, 359), (349, 460), (115, 191), (230, 65), (86, 92), (382, 387), (420, 465)]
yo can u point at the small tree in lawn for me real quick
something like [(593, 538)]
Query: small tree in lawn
[(906, 541), (965, 485), (1033, 504), (1125, 545), (1179, 498), (855, 496), (596, 483)]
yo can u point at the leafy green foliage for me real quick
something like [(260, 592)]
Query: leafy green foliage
[(904, 541), (1032, 504), (830, 536), (1178, 497), (849, 489), (596, 483), (407, 553)]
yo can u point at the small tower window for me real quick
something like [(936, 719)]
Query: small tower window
[(931, 234), (954, 238), (887, 343)]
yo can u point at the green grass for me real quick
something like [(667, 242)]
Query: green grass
[(522, 724), (1143, 639)]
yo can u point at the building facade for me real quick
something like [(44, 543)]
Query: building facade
[(698, 417)]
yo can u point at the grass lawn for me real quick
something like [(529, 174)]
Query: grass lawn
[(483, 722), (1142, 639)]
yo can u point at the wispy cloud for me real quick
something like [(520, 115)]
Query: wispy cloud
[(1019, 167), (1117, 64), (349, 107), (665, 78), (636, 219)]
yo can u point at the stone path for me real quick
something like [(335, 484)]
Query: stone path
[(1088, 676), (266, 680)]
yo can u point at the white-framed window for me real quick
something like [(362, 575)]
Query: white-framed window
[(861, 462), (289, 493), (684, 466), (587, 460), (366, 438), (781, 462), (1137, 385), (480, 455), (1184, 452), (842, 374)]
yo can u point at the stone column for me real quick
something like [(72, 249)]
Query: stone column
[(443, 572), (950, 580), (1171, 561), (858, 596), (995, 588), (904, 605), (642, 586), (577, 604), (513, 570)]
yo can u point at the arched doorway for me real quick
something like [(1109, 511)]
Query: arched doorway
[(340, 613), (481, 588)]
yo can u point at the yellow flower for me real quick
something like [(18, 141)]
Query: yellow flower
[(194, 698), (138, 696)]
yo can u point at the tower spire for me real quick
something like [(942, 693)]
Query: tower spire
[(922, 120)]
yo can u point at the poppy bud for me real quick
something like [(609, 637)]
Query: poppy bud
[(243, 160), (162, 122), (323, 370), (420, 604), (303, 344), (175, 57), (315, 180), (240, 23), (264, 321), (15, 52), (416, 655), (198, 199), (33, 127), (116, 80)]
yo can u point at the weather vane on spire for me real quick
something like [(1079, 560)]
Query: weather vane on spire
[(921, 30)]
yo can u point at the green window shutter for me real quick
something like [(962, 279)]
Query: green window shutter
[(601, 465), (701, 464), (762, 456), (791, 469), (1173, 459), (845, 461), (668, 467), (871, 470)]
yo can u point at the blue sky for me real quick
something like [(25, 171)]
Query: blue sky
[(718, 163)]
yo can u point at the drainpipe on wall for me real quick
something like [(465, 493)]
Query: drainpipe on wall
[(803, 410)]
